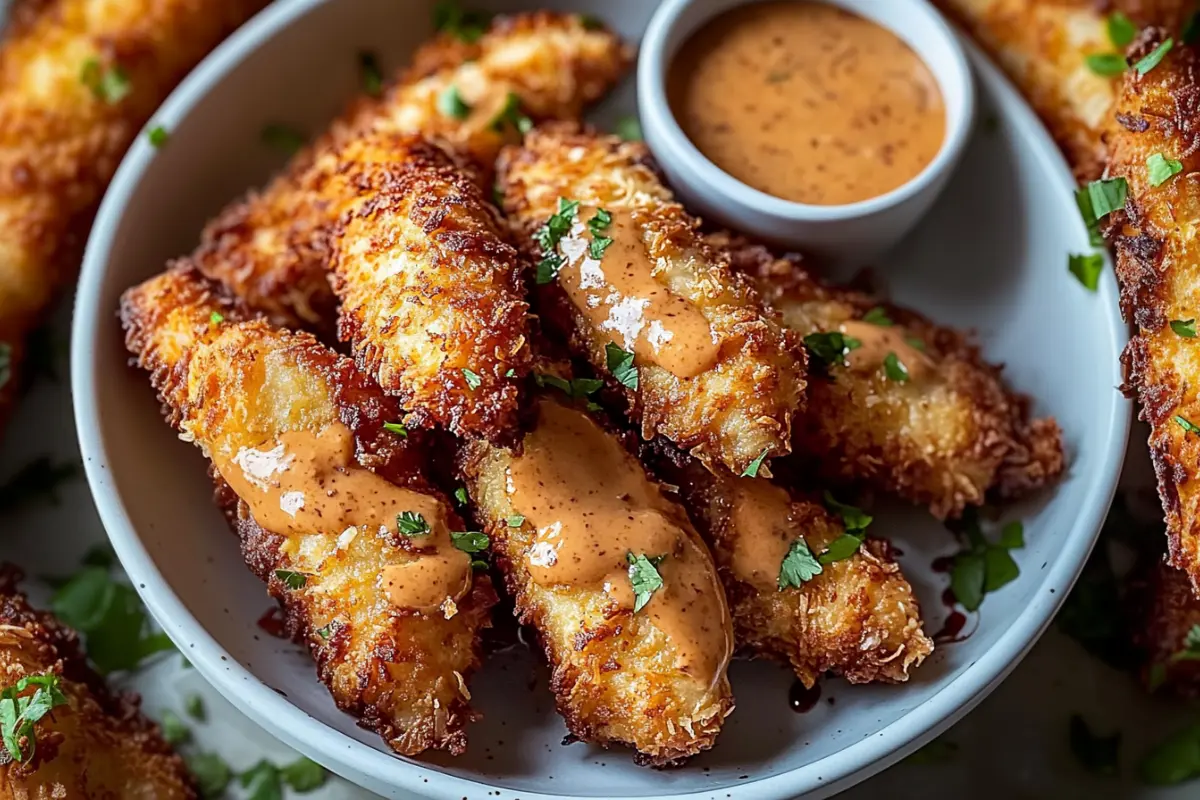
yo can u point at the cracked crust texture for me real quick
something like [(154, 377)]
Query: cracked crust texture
[(946, 440), (736, 411), (240, 382), (98, 745), (432, 299), (60, 144), (858, 619), (271, 248), (1155, 238), (1043, 45), (613, 672)]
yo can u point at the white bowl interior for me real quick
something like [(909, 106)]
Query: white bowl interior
[(993, 259)]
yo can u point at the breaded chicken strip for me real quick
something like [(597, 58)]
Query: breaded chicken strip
[(620, 588), (98, 743), (1157, 256), (271, 248), (857, 618), (1044, 45), (332, 509), (912, 409), (432, 298), (78, 80), (624, 274), (1165, 634)]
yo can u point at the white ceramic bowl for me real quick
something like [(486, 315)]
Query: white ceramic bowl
[(993, 260), (846, 236)]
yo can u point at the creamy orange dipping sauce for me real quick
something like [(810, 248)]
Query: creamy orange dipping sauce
[(807, 102)]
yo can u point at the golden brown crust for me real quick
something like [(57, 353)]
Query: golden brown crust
[(945, 440), (99, 744), (613, 672), (738, 410), (432, 299), (60, 144), (1172, 612), (271, 249), (858, 618), (1043, 46), (402, 673), (1156, 256)]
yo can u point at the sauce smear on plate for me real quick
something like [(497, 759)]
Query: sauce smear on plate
[(807, 102)]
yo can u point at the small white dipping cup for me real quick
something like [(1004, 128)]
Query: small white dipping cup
[(844, 236)]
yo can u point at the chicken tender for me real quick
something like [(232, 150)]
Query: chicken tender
[(331, 507), (625, 275), (1044, 47), (1165, 634), (620, 588), (1157, 253), (432, 299), (857, 617), (97, 743), (912, 409), (272, 248), (77, 82)]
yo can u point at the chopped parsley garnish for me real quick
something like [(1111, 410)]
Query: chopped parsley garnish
[(510, 114), (629, 129), (1106, 64), (751, 471), (158, 136), (470, 541), (263, 781), (396, 428), (1121, 30), (643, 575), (1191, 646), (303, 775), (460, 494), (515, 521), (37, 481), (1184, 327), (854, 519), (894, 368), (831, 347), (798, 566), (590, 22), (878, 316), (283, 138), (548, 267), (216, 318), (1154, 57), (512, 373), (620, 364), (1086, 268), (211, 772), (1083, 201), (472, 378), (1160, 169), (325, 632), (1174, 760), (1187, 425), (1107, 196), (467, 26), (292, 579), (597, 225), (193, 705), (1096, 754), (412, 524), (842, 548), (369, 74), (109, 84), (915, 343), (548, 237), (19, 712), (576, 389), (451, 104), (173, 729), (5, 363), (984, 567)]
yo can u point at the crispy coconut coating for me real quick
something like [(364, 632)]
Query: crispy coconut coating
[(229, 383), (271, 248), (62, 134), (614, 672), (98, 745), (945, 439), (740, 407), (1157, 252), (432, 299), (858, 618), (1044, 46)]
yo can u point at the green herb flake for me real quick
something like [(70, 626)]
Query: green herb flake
[(597, 225), (19, 712), (620, 364), (370, 76), (590, 22), (110, 84), (855, 520), (467, 26), (157, 136), (1160, 169), (472, 378), (303, 775), (262, 782), (576, 389), (1083, 201), (460, 495), (798, 566), (1106, 196), (915, 343), (1096, 754), (751, 471), (1086, 268), (548, 267), (283, 138), (291, 578), (451, 104), (1012, 535), (967, 576), (878, 316), (1187, 425), (110, 617), (1174, 760), (894, 368), (211, 772), (515, 521), (510, 115), (629, 129), (831, 347), (470, 541), (1106, 64), (1191, 646), (984, 567), (38, 481), (396, 428), (216, 318), (643, 575), (193, 706), (841, 548), (1154, 57), (174, 731), (1184, 327), (1121, 30), (412, 524)]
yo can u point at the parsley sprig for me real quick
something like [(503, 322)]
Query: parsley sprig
[(830, 347), (643, 575), (412, 524), (20, 710), (620, 364), (984, 566), (549, 235)]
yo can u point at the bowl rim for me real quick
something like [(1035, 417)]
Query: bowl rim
[(654, 62), (346, 755)]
